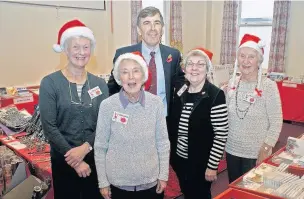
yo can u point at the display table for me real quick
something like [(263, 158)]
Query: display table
[(264, 191), (292, 97), (41, 163)]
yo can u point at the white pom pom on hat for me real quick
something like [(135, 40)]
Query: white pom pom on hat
[(57, 48)]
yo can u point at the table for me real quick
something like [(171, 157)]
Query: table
[(28, 103), (292, 97), (43, 169)]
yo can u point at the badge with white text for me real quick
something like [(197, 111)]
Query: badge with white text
[(94, 92), (249, 98), (120, 117), (182, 90)]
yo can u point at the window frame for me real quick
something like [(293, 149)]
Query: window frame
[(258, 23)]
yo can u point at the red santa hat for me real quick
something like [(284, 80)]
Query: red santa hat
[(205, 53), (256, 43), (136, 56), (70, 29)]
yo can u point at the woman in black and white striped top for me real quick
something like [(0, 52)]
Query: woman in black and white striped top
[(198, 127)]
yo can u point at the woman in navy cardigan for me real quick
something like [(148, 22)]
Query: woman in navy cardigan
[(198, 126)]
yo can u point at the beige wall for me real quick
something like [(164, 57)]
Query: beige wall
[(27, 33), (204, 27), (295, 45)]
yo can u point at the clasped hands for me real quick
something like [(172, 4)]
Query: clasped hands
[(74, 157)]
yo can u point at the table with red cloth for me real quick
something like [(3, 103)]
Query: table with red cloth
[(292, 97), (42, 169), (238, 194), (29, 106)]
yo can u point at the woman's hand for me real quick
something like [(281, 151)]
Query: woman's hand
[(210, 175), (161, 185), (74, 156), (265, 152), (83, 169), (106, 192)]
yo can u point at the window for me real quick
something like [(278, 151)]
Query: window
[(162, 6), (255, 17)]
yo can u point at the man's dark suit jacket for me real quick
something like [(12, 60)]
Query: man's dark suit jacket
[(174, 76)]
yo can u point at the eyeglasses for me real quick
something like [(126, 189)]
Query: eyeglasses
[(80, 103), (199, 64)]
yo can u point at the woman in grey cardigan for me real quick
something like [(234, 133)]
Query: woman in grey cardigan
[(69, 100), (131, 144), (254, 111)]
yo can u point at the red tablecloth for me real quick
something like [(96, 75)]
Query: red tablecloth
[(238, 194), (29, 106), (292, 97)]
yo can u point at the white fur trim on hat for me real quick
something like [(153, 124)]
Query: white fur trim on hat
[(74, 32), (134, 57), (261, 44), (254, 45)]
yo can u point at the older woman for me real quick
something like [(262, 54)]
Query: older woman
[(198, 127), (255, 113), (132, 145), (69, 102)]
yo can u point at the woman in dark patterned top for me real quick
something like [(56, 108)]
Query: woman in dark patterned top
[(69, 101), (198, 127)]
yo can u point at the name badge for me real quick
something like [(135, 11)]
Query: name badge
[(120, 117), (94, 92), (182, 90), (249, 98)]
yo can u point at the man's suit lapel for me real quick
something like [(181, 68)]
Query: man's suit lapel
[(138, 47), (166, 66)]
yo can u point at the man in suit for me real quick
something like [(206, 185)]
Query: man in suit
[(163, 61)]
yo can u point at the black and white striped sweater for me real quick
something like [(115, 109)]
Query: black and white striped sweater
[(219, 121)]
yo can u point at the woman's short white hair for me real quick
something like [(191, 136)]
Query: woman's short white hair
[(68, 41), (134, 57)]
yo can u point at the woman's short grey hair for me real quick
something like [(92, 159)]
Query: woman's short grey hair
[(149, 12), (69, 40), (196, 53)]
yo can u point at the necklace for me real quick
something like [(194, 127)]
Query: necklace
[(80, 103), (237, 109)]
